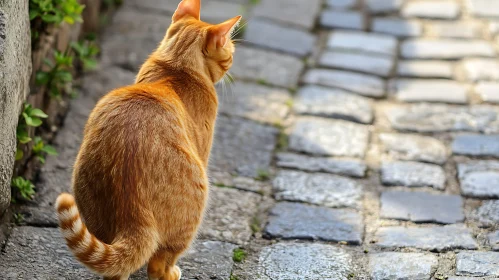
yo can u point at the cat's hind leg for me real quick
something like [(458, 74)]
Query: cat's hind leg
[(162, 266)]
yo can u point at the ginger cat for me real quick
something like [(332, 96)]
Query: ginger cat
[(140, 179)]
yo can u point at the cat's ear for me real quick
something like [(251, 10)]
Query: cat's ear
[(187, 8), (220, 33)]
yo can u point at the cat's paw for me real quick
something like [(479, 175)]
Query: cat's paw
[(177, 272)]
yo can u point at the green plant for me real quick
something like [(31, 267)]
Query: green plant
[(263, 175), (233, 277), (239, 255), (25, 187), (282, 141), (41, 149), (86, 51), (18, 218), (29, 117), (56, 11), (255, 225), (59, 77)]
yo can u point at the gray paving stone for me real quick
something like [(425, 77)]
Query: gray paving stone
[(399, 266), (477, 263), (436, 238), (476, 145), (269, 35), (440, 118), (359, 83), (442, 9), (242, 147), (425, 69), (301, 12), (361, 41), (362, 62), (488, 91), (255, 102), (128, 21), (38, 216), (342, 4), (319, 189), (214, 11), (483, 8), (383, 6), (298, 261), (397, 27), (418, 90), (329, 137), (479, 69), (445, 48), (462, 30), (342, 19), (229, 215), (493, 239), (466, 278), (487, 214), (268, 67), (158, 6), (227, 180), (479, 178), (333, 103), (414, 148), (342, 166), (413, 174), (299, 221), (421, 207)]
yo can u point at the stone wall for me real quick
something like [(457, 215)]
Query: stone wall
[(15, 72)]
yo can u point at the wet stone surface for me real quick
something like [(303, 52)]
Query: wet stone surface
[(300, 221), (413, 174), (477, 263), (414, 266), (319, 189)]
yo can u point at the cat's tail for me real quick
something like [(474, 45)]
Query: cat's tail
[(126, 255)]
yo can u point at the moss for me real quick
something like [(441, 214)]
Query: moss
[(239, 255)]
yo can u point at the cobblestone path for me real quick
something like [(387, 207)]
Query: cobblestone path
[(360, 141)]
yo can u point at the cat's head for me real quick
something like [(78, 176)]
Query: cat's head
[(196, 43)]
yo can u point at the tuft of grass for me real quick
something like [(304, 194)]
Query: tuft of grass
[(255, 225), (262, 82), (282, 141), (263, 175), (239, 255), (18, 218), (233, 277)]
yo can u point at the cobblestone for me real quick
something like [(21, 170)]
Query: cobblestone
[(479, 178), (425, 69), (217, 11), (413, 174), (301, 12), (342, 4), (383, 6), (421, 207), (300, 221), (476, 145), (488, 213), (477, 263), (436, 238), (488, 91), (359, 83), (319, 101), (430, 91), (319, 189), (280, 38), (442, 9), (478, 69), (397, 27), (414, 266), (342, 19), (483, 8), (328, 137), (414, 148), (361, 41), (445, 49), (297, 261), (342, 166), (461, 30), (362, 62)]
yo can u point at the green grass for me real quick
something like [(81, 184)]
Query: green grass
[(255, 225), (239, 255), (263, 175)]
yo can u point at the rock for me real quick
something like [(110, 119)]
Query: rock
[(479, 178), (422, 207), (397, 27), (488, 213), (254, 102), (493, 239), (301, 13), (423, 48), (358, 83), (319, 189), (414, 148), (390, 265), (430, 91), (488, 91), (435, 238), (361, 41), (461, 30), (299, 221), (478, 69), (440, 118), (328, 137), (362, 62), (413, 174), (441, 9), (266, 67), (476, 145), (341, 4), (425, 69), (15, 73), (483, 8), (242, 147), (383, 6), (342, 166), (269, 35), (297, 261), (319, 101), (229, 215), (477, 263), (38, 216), (342, 19)]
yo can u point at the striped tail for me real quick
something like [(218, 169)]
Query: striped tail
[(123, 257)]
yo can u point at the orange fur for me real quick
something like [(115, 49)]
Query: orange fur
[(140, 179)]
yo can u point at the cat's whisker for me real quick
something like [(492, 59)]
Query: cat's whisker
[(238, 29)]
